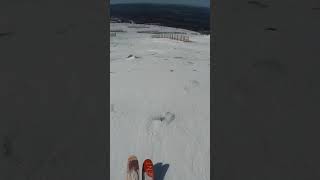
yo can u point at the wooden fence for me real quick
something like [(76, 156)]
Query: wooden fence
[(178, 37)]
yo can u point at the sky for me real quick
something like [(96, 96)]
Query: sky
[(203, 3)]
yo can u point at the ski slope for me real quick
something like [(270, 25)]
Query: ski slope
[(160, 102)]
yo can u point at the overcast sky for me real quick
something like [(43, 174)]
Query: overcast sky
[(205, 3)]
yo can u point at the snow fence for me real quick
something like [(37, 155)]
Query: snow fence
[(178, 37)]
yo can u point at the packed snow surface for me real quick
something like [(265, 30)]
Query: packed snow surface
[(160, 102)]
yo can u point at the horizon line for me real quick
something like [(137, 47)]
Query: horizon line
[(157, 3)]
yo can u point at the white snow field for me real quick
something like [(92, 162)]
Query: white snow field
[(160, 102)]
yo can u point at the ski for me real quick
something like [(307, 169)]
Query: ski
[(147, 170), (133, 168)]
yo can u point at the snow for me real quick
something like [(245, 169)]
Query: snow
[(160, 102)]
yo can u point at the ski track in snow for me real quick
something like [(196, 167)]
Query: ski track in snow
[(160, 102)]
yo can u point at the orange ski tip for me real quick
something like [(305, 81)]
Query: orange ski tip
[(148, 161), (148, 167)]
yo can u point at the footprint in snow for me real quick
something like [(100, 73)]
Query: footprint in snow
[(157, 122), (132, 57), (191, 85), (195, 83)]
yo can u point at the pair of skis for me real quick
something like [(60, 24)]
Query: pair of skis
[(133, 169)]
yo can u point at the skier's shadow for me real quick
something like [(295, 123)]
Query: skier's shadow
[(160, 170)]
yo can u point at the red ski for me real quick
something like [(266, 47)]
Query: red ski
[(133, 168), (147, 170)]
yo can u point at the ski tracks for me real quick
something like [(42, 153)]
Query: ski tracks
[(149, 141)]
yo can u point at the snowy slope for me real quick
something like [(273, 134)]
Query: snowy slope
[(160, 101)]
